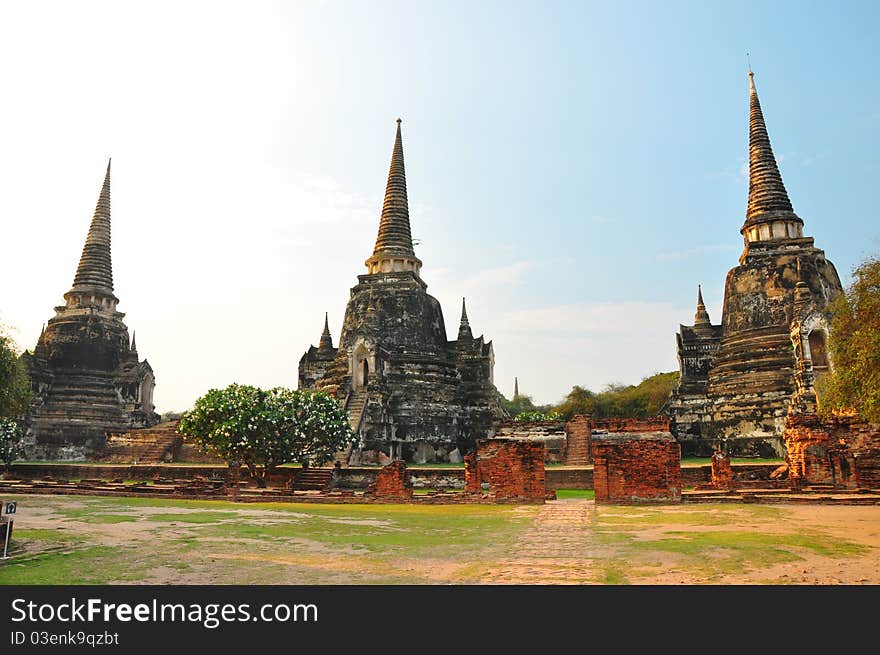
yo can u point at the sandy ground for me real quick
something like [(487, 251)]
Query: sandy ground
[(558, 550), (563, 542)]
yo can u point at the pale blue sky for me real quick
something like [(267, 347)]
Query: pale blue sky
[(574, 168)]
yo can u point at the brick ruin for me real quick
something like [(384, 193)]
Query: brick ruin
[(633, 468), (392, 482), (509, 469), (569, 442), (564, 442), (738, 378), (86, 375), (842, 452), (722, 472), (410, 393)]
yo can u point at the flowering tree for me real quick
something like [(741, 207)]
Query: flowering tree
[(11, 434), (264, 429)]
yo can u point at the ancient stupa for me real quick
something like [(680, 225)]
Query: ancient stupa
[(738, 378), (86, 374), (410, 392)]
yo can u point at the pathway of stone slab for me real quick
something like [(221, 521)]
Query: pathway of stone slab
[(556, 549)]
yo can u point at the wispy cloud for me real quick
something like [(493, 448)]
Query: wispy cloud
[(809, 160), (698, 251)]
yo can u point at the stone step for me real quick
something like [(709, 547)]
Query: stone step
[(312, 479)]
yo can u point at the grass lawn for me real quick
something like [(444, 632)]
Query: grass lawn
[(96, 540)]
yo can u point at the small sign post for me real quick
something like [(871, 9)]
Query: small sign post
[(10, 509)]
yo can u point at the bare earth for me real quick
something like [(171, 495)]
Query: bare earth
[(562, 542), (557, 550)]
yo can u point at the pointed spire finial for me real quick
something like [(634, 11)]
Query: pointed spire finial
[(394, 244), (768, 200), (95, 270), (134, 341), (394, 229), (464, 327), (326, 342), (701, 317), (515, 388)]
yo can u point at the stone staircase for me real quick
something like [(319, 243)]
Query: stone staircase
[(146, 446), (357, 403), (312, 479)]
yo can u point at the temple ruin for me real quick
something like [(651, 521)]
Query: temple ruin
[(87, 377), (739, 378), (409, 391)]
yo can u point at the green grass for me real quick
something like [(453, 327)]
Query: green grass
[(712, 553), (212, 542), (87, 565), (575, 493), (260, 543), (194, 517)]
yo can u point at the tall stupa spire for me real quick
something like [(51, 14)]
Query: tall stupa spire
[(326, 342), (464, 328), (94, 274), (394, 248), (768, 204), (515, 388), (701, 317)]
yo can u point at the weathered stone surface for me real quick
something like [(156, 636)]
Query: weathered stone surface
[(738, 378), (87, 377), (410, 393)]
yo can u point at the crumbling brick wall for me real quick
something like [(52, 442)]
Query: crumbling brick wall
[(577, 440), (512, 469), (392, 481), (636, 468), (632, 425), (722, 471), (842, 451), (550, 433)]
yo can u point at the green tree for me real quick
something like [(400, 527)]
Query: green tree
[(263, 429), (619, 400), (15, 386), (854, 382), (11, 436)]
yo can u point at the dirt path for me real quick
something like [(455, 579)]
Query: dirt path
[(554, 550)]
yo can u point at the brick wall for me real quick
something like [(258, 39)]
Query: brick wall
[(632, 425), (550, 433), (637, 468), (512, 469), (722, 471), (842, 451), (392, 481), (577, 440)]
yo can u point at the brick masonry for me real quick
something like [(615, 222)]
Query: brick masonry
[(392, 481), (511, 469), (632, 425), (843, 452), (636, 468), (722, 472)]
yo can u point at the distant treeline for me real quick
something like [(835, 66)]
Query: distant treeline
[(615, 400)]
